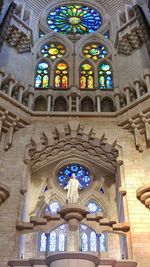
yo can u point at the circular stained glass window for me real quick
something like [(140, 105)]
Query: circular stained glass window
[(74, 19), (82, 174), (95, 51), (53, 51)]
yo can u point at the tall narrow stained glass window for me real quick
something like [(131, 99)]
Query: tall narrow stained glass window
[(43, 241), (61, 75), (105, 76), (42, 75), (86, 76), (74, 19)]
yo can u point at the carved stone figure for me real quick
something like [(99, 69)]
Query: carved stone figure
[(73, 187)]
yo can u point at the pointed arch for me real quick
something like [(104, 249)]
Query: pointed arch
[(61, 79), (40, 104), (42, 75), (87, 104), (86, 75), (105, 76)]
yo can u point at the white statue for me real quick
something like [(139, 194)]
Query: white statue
[(73, 187)]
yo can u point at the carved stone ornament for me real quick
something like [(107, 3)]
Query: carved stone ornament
[(72, 141), (4, 192), (143, 194)]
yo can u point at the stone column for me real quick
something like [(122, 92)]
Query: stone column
[(137, 84), (117, 98), (49, 100), (11, 81), (77, 103), (20, 90), (31, 97), (2, 74), (70, 103), (98, 100), (127, 93), (147, 78)]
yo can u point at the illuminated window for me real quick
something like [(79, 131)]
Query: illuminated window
[(107, 34), (42, 75), (53, 207), (74, 19), (93, 206), (90, 241), (86, 76), (105, 76), (95, 51), (82, 174), (54, 241), (61, 75), (53, 50)]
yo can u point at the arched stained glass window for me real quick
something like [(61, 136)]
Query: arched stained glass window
[(103, 242), (61, 75), (43, 241), (53, 50), (82, 174), (95, 51), (42, 75), (84, 242), (93, 206), (53, 207), (52, 241), (90, 241), (55, 240), (105, 76), (74, 19), (93, 242), (86, 76)]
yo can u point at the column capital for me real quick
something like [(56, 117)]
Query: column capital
[(146, 73), (117, 91), (31, 90), (49, 92), (137, 81), (126, 87), (2, 71), (10, 78)]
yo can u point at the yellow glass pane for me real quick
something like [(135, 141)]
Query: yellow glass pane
[(57, 81), (64, 82), (83, 82), (61, 66)]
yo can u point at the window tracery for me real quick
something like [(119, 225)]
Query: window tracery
[(82, 174), (74, 19), (53, 207), (95, 51), (53, 50), (93, 206), (42, 75)]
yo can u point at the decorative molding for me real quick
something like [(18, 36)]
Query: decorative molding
[(74, 141), (143, 195), (4, 192)]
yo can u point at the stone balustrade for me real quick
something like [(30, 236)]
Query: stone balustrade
[(75, 100)]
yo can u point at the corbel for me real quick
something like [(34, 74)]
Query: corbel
[(10, 133), (147, 127), (137, 135)]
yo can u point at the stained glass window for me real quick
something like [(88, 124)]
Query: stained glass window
[(105, 76), (55, 240), (53, 207), (42, 75), (61, 75), (53, 50), (82, 174), (74, 19), (90, 241), (41, 34), (43, 241), (93, 206), (107, 35), (95, 51), (103, 242), (86, 76)]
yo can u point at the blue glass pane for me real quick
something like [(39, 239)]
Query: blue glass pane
[(84, 242), (93, 242), (103, 242), (52, 241), (61, 242), (93, 207), (74, 19), (105, 76), (53, 207), (82, 174), (43, 242)]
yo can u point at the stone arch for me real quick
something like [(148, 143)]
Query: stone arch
[(107, 105), (87, 104), (40, 103), (60, 104)]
